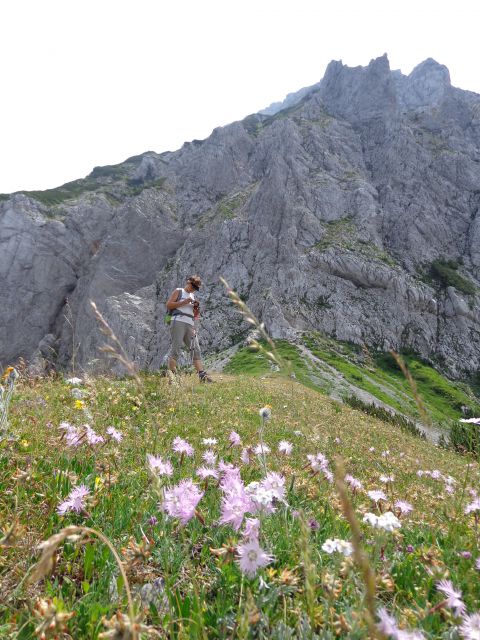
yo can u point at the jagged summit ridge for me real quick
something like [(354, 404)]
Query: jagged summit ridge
[(354, 211), (425, 85)]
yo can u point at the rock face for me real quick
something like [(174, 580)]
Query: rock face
[(354, 210)]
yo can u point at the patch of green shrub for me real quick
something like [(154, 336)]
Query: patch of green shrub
[(445, 273), (68, 191), (379, 412), (115, 171), (465, 437)]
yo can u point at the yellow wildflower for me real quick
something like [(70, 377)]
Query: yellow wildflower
[(7, 372)]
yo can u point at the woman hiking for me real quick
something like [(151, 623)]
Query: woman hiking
[(184, 310)]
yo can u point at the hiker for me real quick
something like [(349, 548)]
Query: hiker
[(184, 310)]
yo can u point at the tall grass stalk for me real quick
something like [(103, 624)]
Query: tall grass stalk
[(251, 318), (309, 570), (115, 350), (359, 555), (413, 386), (6, 391), (70, 320), (75, 534)]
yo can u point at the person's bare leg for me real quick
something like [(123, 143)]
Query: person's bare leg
[(198, 365), (172, 365)]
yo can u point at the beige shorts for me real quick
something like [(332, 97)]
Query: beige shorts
[(182, 334)]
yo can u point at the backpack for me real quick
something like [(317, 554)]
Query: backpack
[(167, 318)]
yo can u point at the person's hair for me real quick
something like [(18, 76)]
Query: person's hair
[(195, 281)]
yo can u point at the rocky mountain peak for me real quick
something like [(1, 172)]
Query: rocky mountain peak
[(364, 92), (359, 92), (427, 84)]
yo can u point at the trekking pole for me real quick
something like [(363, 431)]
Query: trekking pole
[(192, 353), (192, 350)]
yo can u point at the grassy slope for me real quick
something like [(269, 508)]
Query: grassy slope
[(377, 374), (124, 500)]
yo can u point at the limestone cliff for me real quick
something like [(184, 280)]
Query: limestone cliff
[(353, 209)]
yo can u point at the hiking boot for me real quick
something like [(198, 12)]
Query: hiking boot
[(203, 376)]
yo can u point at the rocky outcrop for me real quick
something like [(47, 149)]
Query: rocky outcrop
[(326, 215)]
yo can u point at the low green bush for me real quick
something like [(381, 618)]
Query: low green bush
[(446, 274)]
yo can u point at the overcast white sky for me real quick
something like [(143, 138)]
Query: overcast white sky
[(92, 82)]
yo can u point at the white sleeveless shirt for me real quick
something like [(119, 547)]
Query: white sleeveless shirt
[(185, 309)]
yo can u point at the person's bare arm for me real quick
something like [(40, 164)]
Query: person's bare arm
[(172, 304)]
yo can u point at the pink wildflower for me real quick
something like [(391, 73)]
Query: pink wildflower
[(234, 507), (328, 475), (235, 502), (387, 625), (275, 483), (64, 506), (473, 507), (454, 597), (235, 439), (403, 506), (387, 479), (231, 480), (385, 454), (470, 627), (285, 447), (209, 442), (252, 557), (158, 466), (72, 436), (318, 462), (209, 457), (376, 495), (353, 483), (75, 501), (182, 446), (261, 498), (477, 564), (261, 449), (245, 456), (251, 529), (181, 501), (114, 434), (227, 468), (205, 472), (92, 436)]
